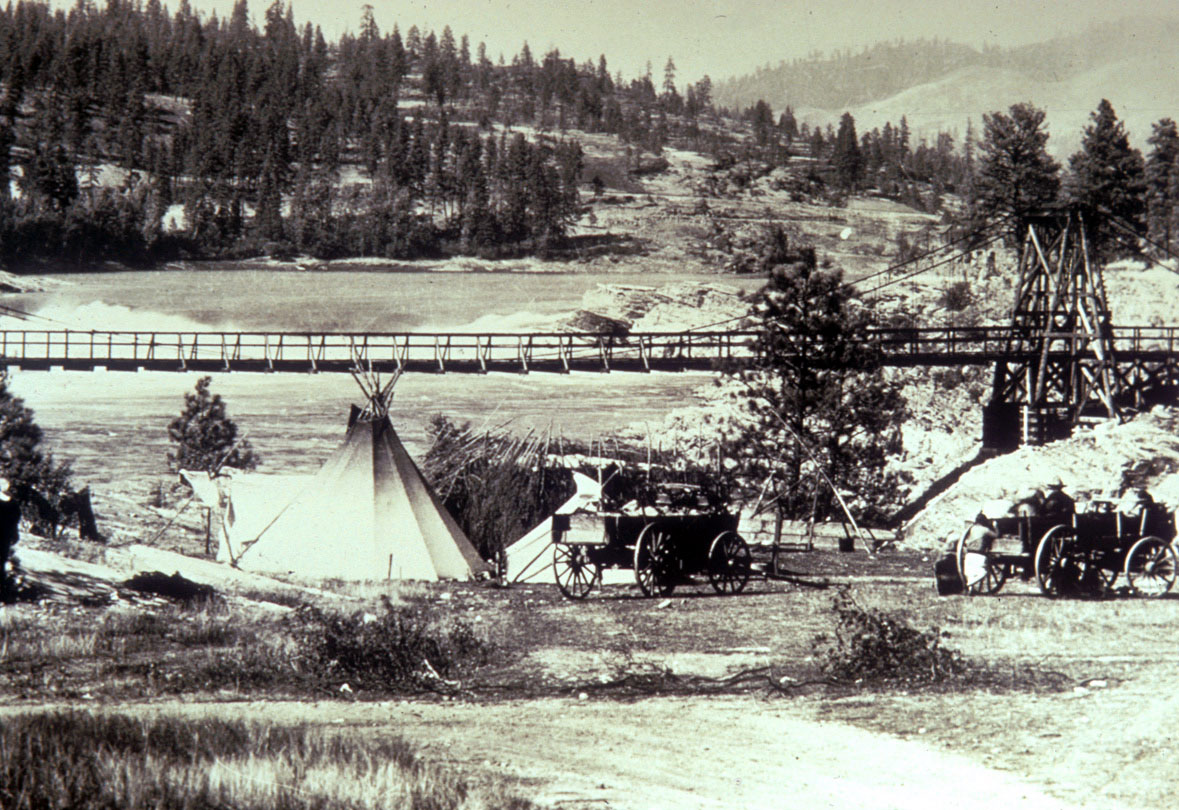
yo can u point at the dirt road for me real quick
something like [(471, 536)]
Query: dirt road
[(673, 753)]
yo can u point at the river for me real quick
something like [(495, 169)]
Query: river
[(113, 426)]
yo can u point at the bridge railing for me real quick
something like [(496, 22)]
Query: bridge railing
[(495, 351), (337, 351)]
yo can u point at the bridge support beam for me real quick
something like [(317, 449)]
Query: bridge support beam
[(1058, 364)]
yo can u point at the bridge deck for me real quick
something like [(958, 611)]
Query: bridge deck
[(480, 353)]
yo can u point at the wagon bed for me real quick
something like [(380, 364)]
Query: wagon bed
[(664, 550)]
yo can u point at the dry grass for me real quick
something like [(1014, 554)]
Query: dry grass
[(94, 762), (219, 646)]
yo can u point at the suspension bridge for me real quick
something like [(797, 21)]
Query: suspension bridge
[(1059, 359), (1137, 350)]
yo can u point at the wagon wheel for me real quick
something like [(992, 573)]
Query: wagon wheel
[(655, 561), (1053, 556), (729, 563), (1150, 567), (575, 573), (979, 572), (1106, 577)]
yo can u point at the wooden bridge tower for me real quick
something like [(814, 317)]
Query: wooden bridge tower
[(1059, 360)]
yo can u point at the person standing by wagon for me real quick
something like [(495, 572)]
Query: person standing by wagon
[(9, 527), (1058, 503)]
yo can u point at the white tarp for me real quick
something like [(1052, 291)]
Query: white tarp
[(530, 559)]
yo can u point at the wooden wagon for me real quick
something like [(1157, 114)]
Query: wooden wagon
[(1077, 553), (664, 550)]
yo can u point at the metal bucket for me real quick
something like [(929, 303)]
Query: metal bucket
[(946, 577)]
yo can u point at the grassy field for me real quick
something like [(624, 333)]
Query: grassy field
[(1074, 695), (92, 762)]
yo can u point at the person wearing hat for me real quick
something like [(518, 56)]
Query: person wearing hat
[(1057, 504), (9, 526), (1030, 503), (1147, 517)]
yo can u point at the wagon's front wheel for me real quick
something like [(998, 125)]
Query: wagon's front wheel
[(729, 563), (1150, 567), (575, 573), (1052, 560), (655, 561)]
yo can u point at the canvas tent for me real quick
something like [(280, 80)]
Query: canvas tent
[(530, 559), (367, 514)]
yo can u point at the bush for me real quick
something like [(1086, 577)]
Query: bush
[(874, 647), (495, 485), (40, 484), (957, 296), (405, 648)]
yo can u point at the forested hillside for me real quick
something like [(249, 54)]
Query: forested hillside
[(847, 79), (379, 144), (135, 134)]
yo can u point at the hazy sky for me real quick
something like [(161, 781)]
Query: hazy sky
[(719, 37)]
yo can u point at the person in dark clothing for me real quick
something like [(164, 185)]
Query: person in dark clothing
[(1056, 503), (9, 526)]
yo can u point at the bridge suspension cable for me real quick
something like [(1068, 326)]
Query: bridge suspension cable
[(933, 251), (892, 269), (933, 266), (1128, 229)]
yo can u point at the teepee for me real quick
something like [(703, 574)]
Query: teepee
[(368, 514)]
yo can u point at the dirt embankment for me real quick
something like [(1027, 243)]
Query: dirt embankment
[(1096, 463), (668, 308)]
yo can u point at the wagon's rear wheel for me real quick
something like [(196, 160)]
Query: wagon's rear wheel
[(729, 563), (1053, 560), (575, 573), (979, 571), (655, 561), (1150, 567)]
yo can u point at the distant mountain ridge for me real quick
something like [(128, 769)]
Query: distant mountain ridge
[(939, 86)]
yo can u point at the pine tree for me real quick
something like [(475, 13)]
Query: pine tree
[(672, 102), (968, 167), (846, 157), (704, 92), (1016, 174), (820, 407), (1107, 177), (23, 459), (788, 124), (48, 178), (761, 117), (204, 436), (1162, 183)]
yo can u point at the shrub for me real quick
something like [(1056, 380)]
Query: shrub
[(957, 296), (39, 483), (948, 379), (874, 647), (495, 485), (404, 648)]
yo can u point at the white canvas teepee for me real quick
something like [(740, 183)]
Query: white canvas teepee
[(367, 514)]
